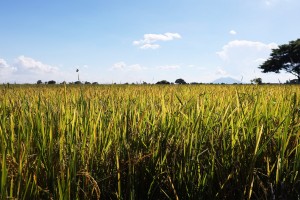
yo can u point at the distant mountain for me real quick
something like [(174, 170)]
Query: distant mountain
[(226, 80)]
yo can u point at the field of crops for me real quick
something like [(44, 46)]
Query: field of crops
[(149, 142)]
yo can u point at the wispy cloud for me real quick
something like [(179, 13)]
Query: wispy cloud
[(119, 66), (221, 72), (150, 40), (135, 67), (274, 2), (149, 46), (271, 2), (232, 32), (169, 67), (122, 66)]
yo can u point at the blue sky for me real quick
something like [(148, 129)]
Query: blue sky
[(136, 40)]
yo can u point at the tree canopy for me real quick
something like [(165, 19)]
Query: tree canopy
[(180, 81), (39, 82), (52, 82), (256, 81), (285, 57), (163, 82)]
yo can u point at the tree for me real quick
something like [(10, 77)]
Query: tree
[(195, 83), (257, 81), (285, 57), (180, 81), (163, 82), (52, 82), (293, 81), (39, 82)]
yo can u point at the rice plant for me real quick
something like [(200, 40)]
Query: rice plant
[(149, 142)]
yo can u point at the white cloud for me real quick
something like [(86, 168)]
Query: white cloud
[(274, 2), (221, 72), (150, 46), (268, 3), (5, 71), (169, 67), (5, 68), (260, 60), (149, 41), (3, 64), (191, 66), (28, 70), (30, 64), (244, 46), (232, 32), (135, 67), (151, 38), (119, 66), (243, 57), (122, 66)]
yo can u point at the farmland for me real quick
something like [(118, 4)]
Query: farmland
[(149, 142)]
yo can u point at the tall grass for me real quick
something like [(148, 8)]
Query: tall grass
[(149, 142)]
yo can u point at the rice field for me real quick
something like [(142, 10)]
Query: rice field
[(149, 142)]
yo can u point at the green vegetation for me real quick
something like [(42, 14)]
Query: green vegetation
[(286, 57), (256, 81), (149, 142)]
